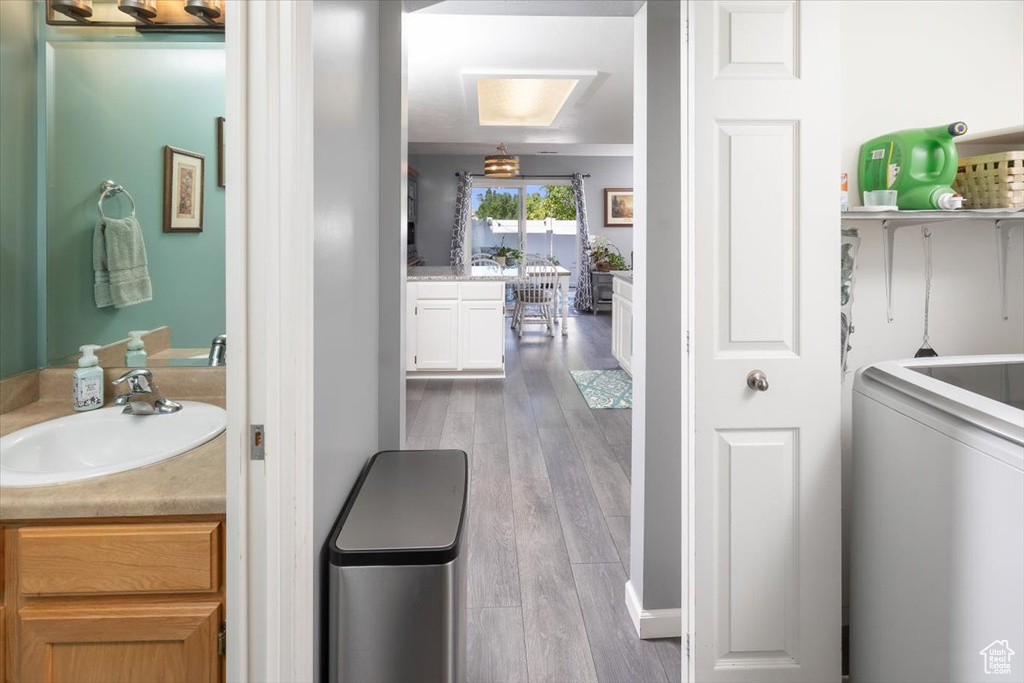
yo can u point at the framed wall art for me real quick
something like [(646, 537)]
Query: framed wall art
[(183, 190), (618, 207)]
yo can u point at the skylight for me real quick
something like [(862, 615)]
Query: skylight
[(522, 101)]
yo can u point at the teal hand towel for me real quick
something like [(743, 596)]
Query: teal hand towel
[(119, 263)]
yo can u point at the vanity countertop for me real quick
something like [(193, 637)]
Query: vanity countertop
[(475, 273), (624, 275), (193, 483)]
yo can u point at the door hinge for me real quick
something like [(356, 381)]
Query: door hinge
[(415, 310), (502, 359), (415, 360), (257, 442), (687, 645), (687, 341), (686, 32), (222, 640)]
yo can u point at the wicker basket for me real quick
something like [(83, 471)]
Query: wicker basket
[(992, 181)]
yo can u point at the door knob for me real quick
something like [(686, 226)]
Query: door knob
[(757, 380)]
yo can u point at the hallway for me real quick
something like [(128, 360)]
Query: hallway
[(549, 514)]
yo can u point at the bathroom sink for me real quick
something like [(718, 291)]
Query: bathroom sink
[(101, 442)]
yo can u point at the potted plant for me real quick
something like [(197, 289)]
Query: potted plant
[(606, 256), (507, 255)]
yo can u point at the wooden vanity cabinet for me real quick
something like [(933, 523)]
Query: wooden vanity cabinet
[(113, 600)]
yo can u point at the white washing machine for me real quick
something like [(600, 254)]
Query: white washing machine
[(937, 548)]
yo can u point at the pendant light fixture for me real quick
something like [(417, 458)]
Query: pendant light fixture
[(207, 10), (502, 164), (143, 10), (76, 9)]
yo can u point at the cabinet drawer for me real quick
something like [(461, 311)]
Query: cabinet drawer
[(622, 288), (482, 291), (437, 290), (120, 558)]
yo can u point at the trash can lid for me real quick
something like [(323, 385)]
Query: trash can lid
[(407, 508)]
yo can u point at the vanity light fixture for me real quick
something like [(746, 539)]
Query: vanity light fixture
[(502, 164), (143, 10), (145, 16), (207, 10), (76, 9)]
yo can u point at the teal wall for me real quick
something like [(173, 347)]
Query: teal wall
[(18, 233), (111, 106)]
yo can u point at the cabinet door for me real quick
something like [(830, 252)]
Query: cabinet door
[(626, 339), (622, 331), (437, 335), (120, 644), (410, 326), (482, 344)]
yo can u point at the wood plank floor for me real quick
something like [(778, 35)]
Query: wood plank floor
[(548, 533)]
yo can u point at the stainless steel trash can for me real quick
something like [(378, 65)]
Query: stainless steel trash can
[(397, 572)]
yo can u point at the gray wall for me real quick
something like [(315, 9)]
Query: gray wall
[(656, 524), (19, 290), (393, 232), (437, 194), (346, 120)]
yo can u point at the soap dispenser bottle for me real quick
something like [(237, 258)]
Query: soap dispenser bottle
[(88, 380), (135, 356)]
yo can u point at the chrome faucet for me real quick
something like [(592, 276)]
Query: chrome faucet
[(143, 397), (219, 351)]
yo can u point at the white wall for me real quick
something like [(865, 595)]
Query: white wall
[(437, 194), (908, 64), (346, 120)]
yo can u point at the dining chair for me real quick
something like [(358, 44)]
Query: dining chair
[(536, 294), (485, 261)]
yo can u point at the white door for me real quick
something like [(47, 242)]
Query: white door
[(764, 154), (482, 332), (437, 335)]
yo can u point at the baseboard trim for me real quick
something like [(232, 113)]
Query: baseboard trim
[(452, 374), (654, 623)]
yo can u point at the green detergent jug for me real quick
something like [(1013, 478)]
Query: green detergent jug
[(920, 164)]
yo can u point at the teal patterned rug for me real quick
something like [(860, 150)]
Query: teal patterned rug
[(605, 388)]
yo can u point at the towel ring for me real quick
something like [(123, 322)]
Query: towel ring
[(108, 188)]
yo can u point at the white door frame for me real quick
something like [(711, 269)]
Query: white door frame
[(269, 228)]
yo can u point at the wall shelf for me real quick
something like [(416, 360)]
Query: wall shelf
[(891, 221)]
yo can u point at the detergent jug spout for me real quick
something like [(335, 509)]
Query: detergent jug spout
[(947, 132)]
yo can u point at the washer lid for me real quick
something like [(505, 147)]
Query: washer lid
[(406, 508)]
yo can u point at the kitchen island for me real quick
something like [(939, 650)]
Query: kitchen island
[(456, 320)]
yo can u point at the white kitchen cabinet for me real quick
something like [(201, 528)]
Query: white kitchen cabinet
[(482, 344), (436, 335), (455, 328), (622, 324)]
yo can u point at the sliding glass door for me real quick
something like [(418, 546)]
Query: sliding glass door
[(527, 216), (495, 220)]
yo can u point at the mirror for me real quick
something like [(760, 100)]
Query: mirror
[(144, 111)]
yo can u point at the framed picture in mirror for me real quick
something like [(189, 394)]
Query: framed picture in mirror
[(183, 190), (220, 151)]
